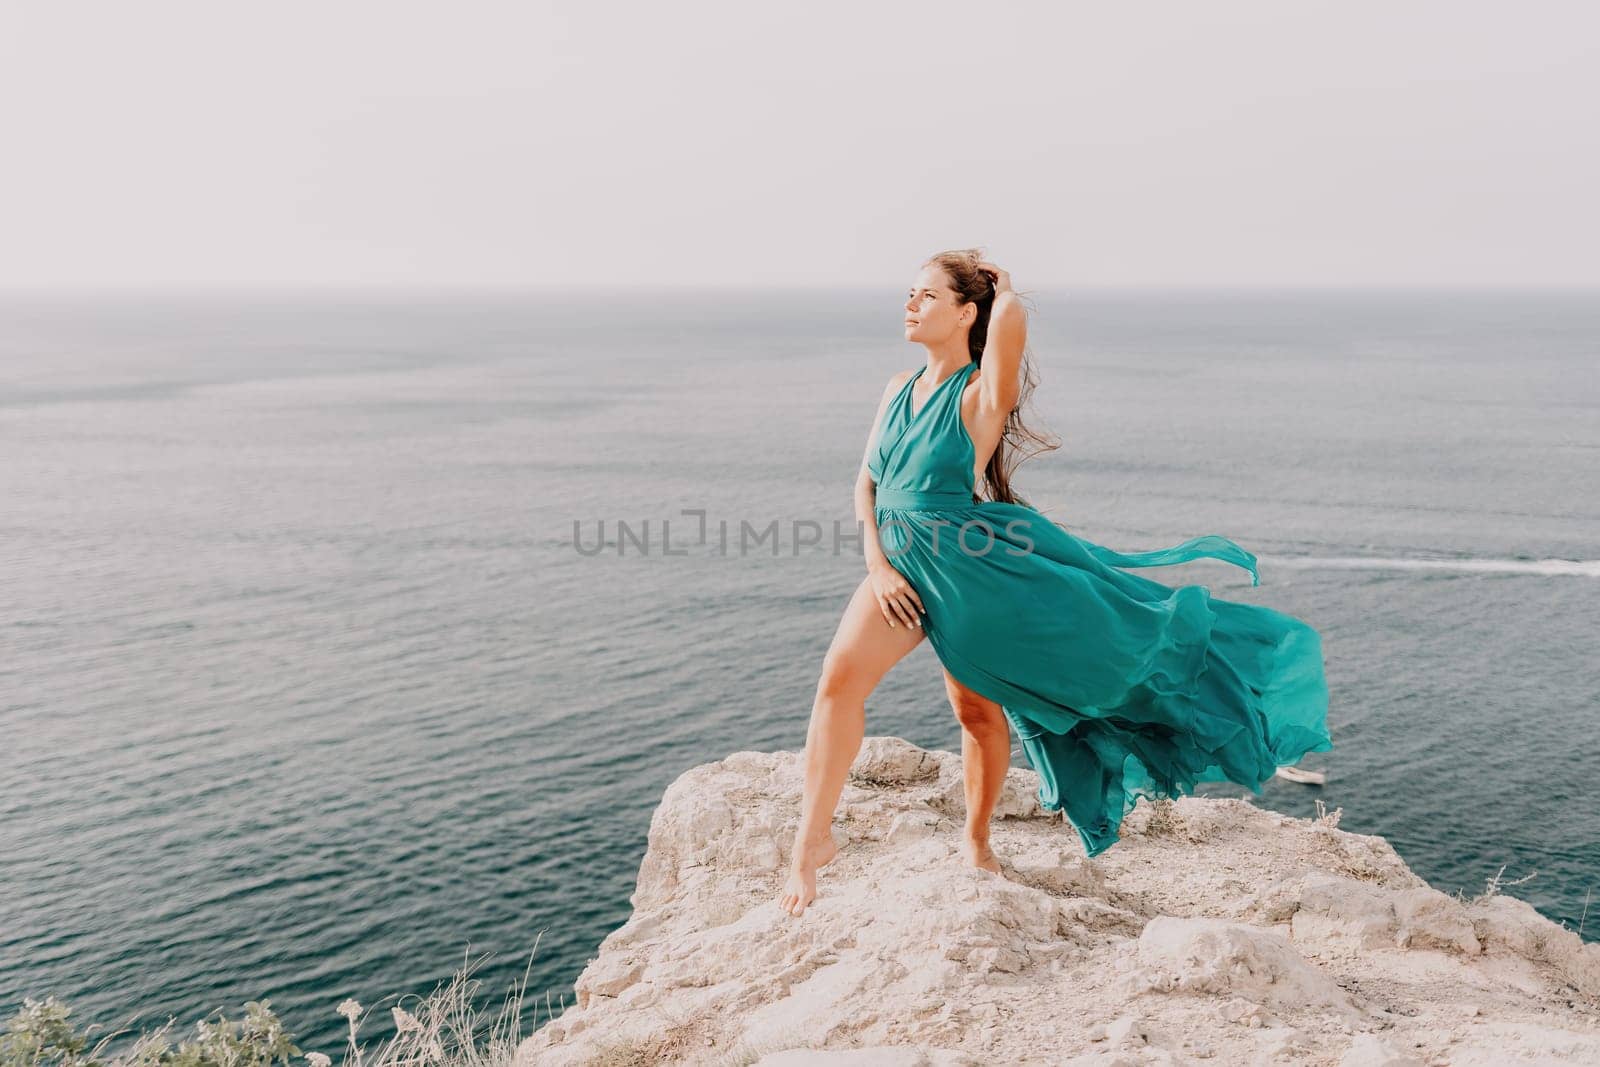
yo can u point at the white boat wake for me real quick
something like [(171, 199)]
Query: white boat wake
[(1582, 568)]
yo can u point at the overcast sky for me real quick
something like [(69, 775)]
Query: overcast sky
[(1215, 143)]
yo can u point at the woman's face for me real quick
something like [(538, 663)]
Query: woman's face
[(933, 310)]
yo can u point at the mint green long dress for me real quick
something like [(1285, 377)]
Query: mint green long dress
[(1117, 685)]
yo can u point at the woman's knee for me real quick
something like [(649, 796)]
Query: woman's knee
[(844, 674), (974, 712)]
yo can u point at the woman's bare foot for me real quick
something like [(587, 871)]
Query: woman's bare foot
[(979, 854), (801, 888)]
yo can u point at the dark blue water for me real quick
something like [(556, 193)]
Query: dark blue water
[(306, 692)]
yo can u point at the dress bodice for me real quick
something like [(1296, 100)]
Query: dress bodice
[(924, 458)]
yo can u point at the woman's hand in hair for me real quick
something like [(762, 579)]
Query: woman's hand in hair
[(1001, 278)]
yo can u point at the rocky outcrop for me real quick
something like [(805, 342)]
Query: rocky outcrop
[(1214, 932)]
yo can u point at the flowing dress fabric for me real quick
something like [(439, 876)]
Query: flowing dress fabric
[(1117, 685)]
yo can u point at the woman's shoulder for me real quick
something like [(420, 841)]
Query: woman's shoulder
[(897, 381)]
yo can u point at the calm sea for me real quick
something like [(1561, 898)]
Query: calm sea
[(307, 693)]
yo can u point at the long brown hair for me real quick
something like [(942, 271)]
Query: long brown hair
[(973, 286)]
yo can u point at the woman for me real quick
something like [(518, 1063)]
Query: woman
[(1119, 686)]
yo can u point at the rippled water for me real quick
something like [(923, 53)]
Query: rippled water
[(307, 692)]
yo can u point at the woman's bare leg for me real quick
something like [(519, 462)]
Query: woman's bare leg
[(864, 647), (985, 755)]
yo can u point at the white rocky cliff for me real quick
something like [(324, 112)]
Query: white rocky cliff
[(1214, 932)]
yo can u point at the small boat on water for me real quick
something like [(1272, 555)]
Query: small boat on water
[(1295, 774)]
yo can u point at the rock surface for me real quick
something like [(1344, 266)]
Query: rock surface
[(1213, 932)]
